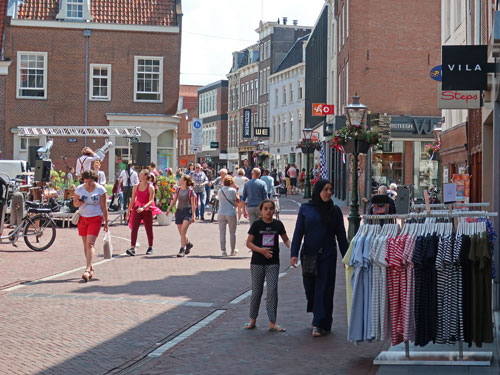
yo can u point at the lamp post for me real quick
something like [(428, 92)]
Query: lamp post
[(307, 187), (356, 113)]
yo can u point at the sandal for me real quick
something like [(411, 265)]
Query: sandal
[(86, 276), (91, 272), (277, 329), (249, 326), (317, 332)]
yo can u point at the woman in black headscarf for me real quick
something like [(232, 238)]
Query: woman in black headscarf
[(319, 223)]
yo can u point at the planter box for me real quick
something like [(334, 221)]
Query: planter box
[(363, 147), (164, 219)]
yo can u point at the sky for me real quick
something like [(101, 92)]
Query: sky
[(213, 29)]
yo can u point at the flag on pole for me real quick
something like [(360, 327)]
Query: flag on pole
[(324, 175)]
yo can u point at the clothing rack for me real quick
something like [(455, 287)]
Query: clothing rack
[(443, 205), (428, 358)]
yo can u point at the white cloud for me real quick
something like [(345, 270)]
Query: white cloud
[(213, 29)]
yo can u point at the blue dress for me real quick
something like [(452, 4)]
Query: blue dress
[(318, 235)]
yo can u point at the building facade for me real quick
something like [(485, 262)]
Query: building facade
[(366, 55), (286, 104), (90, 65), (212, 108)]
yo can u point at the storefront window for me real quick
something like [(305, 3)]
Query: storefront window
[(425, 171), (387, 166)]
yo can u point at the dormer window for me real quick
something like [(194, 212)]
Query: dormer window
[(74, 10)]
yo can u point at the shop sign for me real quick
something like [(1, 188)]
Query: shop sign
[(414, 126), (261, 132), (322, 109), (436, 73), (458, 99), (247, 123), (214, 144), (465, 67), (223, 156), (233, 156)]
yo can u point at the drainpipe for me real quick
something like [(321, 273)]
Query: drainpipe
[(86, 34)]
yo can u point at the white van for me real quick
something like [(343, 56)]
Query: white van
[(13, 168)]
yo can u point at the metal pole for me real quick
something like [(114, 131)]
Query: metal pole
[(354, 218), (307, 187)]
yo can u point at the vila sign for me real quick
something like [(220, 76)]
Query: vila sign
[(247, 123), (465, 67), (322, 109), (458, 99)]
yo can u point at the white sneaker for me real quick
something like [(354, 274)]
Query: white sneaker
[(224, 254), (234, 252)]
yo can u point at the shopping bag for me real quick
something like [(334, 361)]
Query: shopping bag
[(107, 246), (75, 218)]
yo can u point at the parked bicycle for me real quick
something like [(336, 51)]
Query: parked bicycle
[(36, 227)]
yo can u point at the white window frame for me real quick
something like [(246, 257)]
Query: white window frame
[(160, 83), (91, 83), (77, 4), (18, 84)]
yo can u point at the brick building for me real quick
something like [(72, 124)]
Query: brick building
[(387, 63), (4, 70), (93, 64), (188, 109)]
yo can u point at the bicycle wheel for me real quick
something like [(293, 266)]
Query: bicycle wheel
[(215, 208), (39, 232)]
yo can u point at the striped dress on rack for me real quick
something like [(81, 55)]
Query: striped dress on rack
[(409, 313)]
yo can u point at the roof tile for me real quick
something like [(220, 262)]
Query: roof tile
[(137, 12)]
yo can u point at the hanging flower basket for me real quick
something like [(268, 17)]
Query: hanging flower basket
[(308, 145), (262, 155), (343, 139), (432, 149)]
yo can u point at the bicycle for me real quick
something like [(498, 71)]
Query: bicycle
[(37, 227), (276, 200), (214, 203)]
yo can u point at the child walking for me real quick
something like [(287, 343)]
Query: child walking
[(265, 265), (184, 215)]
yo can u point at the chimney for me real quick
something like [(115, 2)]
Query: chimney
[(295, 22), (285, 19)]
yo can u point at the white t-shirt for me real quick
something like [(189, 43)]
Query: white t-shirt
[(92, 205), (102, 178), (134, 178), (84, 163), (240, 181)]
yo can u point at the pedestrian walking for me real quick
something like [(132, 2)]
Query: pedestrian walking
[(292, 173), (185, 197), (139, 210), (228, 201), (254, 192), (269, 183), (101, 176), (90, 198), (302, 179), (320, 224), (287, 179), (128, 178), (263, 240), (208, 172), (153, 169), (240, 180), (248, 169), (200, 181)]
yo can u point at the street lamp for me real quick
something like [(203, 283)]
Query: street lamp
[(356, 113), (261, 145), (307, 137)]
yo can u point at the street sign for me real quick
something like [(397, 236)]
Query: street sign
[(214, 144), (197, 133), (322, 109)]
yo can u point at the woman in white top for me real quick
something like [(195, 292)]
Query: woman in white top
[(240, 180), (90, 197), (101, 177), (84, 162)]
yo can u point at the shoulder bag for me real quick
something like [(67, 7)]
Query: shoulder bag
[(233, 204), (75, 218), (309, 263)]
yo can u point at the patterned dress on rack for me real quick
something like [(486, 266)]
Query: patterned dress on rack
[(379, 288), (409, 312)]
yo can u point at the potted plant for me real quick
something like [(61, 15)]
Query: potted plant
[(432, 149), (344, 139), (166, 190), (308, 145)]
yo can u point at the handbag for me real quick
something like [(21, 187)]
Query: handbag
[(310, 264), (107, 246), (75, 218)]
